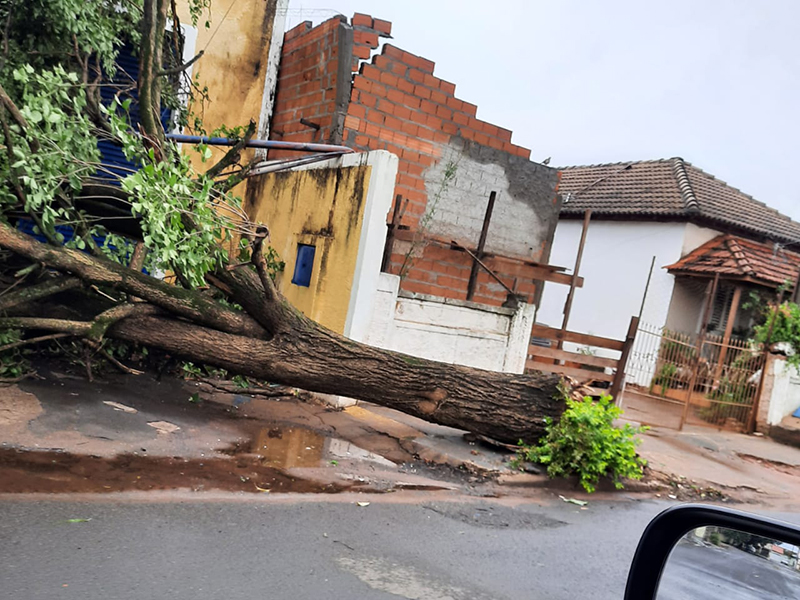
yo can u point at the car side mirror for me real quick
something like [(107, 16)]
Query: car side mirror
[(698, 551)]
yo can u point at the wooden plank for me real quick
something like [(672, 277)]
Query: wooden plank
[(584, 359), (579, 374), (541, 271), (542, 331)]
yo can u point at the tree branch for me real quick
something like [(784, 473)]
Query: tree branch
[(103, 272), (183, 67), (9, 105), (106, 319), (233, 155), (36, 340), (40, 290)]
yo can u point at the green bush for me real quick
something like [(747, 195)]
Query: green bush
[(585, 443)]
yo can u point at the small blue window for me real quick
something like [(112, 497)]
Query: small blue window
[(303, 265)]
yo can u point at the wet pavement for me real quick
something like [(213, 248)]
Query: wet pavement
[(397, 546)]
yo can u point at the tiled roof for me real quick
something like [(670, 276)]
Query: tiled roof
[(669, 189), (739, 258)]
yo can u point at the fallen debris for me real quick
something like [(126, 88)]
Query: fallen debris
[(117, 406), (163, 426)]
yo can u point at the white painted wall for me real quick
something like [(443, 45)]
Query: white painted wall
[(616, 261), (450, 331), (380, 190), (782, 387), (695, 236)]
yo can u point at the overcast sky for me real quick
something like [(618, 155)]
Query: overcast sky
[(716, 82)]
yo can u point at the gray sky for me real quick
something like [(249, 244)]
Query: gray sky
[(584, 81)]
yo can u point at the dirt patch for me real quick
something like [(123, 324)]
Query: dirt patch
[(775, 465), (62, 472), (17, 407)]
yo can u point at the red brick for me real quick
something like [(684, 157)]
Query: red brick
[(447, 87), (378, 89), (468, 108), (425, 64), (449, 128), (416, 75), (422, 92), (402, 112), (367, 99), (405, 85), (393, 122), (365, 37), (428, 107), (357, 110), (389, 79), (454, 103), (370, 72), (361, 19), (362, 83), (431, 81), (361, 52), (433, 122), (375, 116), (461, 118), (396, 96), (362, 140), (409, 129), (382, 26), (504, 134), (444, 113), (438, 97)]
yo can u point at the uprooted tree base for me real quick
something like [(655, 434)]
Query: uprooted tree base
[(271, 340)]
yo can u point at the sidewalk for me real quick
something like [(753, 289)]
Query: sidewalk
[(151, 435)]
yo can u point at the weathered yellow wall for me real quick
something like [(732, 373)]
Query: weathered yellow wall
[(322, 207), (234, 65)]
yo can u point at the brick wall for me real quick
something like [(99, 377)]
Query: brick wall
[(393, 101), (307, 85)]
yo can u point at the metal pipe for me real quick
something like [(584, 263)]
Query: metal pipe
[(266, 144)]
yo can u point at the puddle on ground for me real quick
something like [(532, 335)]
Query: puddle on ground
[(61, 472), (287, 447)]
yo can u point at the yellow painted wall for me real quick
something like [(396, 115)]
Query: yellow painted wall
[(322, 207), (234, 65)]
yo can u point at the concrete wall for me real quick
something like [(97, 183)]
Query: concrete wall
[(616, 262), (780, 395), (686, 306), (337, 206), (236, 66), (448, 330)]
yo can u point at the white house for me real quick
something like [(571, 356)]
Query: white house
[(664, 209)]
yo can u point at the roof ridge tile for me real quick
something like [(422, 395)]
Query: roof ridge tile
[(684, 185)]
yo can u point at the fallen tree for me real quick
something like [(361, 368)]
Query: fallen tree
[(221, 311)]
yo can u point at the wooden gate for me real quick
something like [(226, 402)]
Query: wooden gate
[(605, 374)]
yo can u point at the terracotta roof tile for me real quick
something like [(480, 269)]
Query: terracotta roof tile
[(735, 257), (669, 188)]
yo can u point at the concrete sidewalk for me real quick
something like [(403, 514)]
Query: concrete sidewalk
[(372, 446)]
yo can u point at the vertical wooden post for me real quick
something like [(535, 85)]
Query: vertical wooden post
[(619, 376), (726, 337), (571, 294), (391, 226), (473, 275), (711, 291)]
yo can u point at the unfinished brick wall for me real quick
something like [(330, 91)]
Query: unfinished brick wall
[(394, 102)]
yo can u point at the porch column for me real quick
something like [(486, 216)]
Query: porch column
[(726, 338)]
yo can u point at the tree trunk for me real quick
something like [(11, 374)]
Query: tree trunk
[(501, 406), (273, 341)]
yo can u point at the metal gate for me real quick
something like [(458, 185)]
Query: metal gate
[(675, 378)]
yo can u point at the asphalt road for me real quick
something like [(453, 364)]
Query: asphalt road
[(725, 573), (301, 549)]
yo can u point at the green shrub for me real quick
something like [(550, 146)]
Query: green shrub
[(585, 443)]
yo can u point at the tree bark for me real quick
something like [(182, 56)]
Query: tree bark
[(273, 341), (501, 406)]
